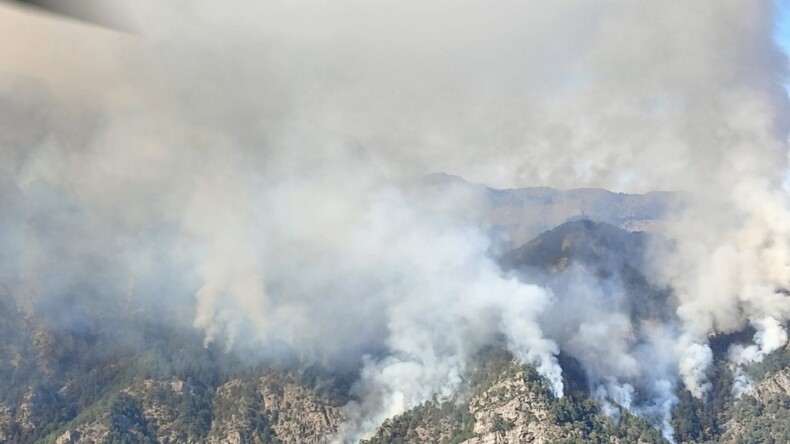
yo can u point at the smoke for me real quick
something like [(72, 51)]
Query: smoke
[(447, 299), (247, 170), (621, 330), (770, 336)]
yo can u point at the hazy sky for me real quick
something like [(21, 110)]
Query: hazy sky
[(783, 27)]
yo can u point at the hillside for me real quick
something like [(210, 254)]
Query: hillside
[(161, 385)]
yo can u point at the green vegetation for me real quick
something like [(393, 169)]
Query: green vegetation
[(127, 422), (432, 422), (498, 380), (764, 418), (70, 379), (696, 420)]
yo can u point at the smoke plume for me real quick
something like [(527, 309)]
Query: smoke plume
[(248, 170)]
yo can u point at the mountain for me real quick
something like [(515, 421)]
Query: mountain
[(510, 403), (83, 382), (87, 386), (604, 250), (520, 214)]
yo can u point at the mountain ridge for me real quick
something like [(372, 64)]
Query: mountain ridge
[(78, 386)]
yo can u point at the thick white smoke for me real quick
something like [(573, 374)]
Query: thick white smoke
[(770, 336), (445, 298), (628, 358), (254, 157)]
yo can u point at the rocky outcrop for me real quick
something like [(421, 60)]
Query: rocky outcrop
[(274, 406), (163, 406), (510, 411), (762, 413), (68, 437), (296, 414), (93, 432)]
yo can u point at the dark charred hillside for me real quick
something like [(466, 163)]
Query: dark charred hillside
[(605, 251), (597, 245)]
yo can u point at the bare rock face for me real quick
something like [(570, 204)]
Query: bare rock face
[(296, 414), (511, 412), (6, 423), (762, 414), (93, 432), (162, 406), (25, 415), (69, 437), (273, 406), (777, 384), (236, 408)]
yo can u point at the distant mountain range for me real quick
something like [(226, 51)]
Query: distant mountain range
[(523, 213)]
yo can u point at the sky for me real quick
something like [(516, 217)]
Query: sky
[(783, 29)]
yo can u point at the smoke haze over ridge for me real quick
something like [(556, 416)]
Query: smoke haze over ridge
[(251, 160)]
